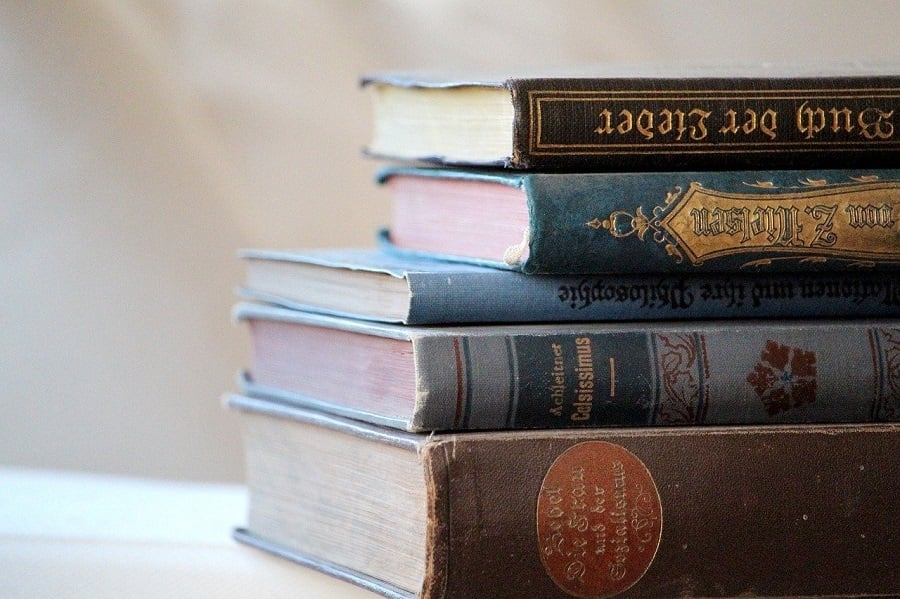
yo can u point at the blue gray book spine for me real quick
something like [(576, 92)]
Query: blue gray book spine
[(714, 374), (564, 375), (466, 297)]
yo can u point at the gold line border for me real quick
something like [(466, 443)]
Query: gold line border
[(538, 97)]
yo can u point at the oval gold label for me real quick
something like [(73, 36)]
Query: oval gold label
[(599, 520)]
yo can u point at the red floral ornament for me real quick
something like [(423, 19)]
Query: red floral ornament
[(784, 378)]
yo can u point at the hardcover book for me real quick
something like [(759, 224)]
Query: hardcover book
[(596, 223), (370, 284), (772, 511), (563, 375), (640, 118)]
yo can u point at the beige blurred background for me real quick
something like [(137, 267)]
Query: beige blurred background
[(143, 142)]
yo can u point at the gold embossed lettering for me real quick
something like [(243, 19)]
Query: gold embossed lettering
[(779, 224), (810, 121), (876, 124), (584, 370), (605, 127), (702, 225), (671, 121), (815, 220), (627, 122), (870, 216), (768, 123), (645, 124), (730, 125), (557, 380), (873, 123), (697, 128), (719, 221), (751, 123), (841, 120), (823, 236)]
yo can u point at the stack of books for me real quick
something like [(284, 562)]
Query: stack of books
[(629, 335)]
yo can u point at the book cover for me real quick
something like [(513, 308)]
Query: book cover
[(596, 223), (564, 375), (370, 284), (770, 511), (643, 118)]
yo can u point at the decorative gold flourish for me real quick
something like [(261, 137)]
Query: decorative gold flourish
[(672, 250), (852, 264), (700, 224), (762, 184), (676, 193), (638, 224), (757, 263), (621, 224), (808, 182)]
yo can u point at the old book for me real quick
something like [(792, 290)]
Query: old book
[(371, 284), (643, 118), (712, 221), (772, 511), (577, 374)]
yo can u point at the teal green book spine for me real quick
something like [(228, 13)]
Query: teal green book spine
[(697, 222)]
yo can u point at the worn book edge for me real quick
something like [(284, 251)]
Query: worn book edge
[(253, 389)]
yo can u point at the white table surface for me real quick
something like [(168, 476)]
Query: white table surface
[(71, 534)]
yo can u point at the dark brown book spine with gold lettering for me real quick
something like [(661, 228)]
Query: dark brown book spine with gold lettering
[(771, 511), (704, 122)]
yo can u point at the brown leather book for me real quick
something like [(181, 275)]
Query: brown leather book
[(790, 510), (641, 117)]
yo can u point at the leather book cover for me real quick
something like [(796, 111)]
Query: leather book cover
[(768, 511), (711, 122), (687, 221), (442, 292), (576, 375), (771, 512), (652, 117)]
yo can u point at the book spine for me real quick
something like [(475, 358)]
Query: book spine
[(474, 297), (663, 124), (728, 221), (769, 512), (725, 373)]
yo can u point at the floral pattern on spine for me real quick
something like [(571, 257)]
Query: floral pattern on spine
[(784, 378), (886, 351), (683, 372)]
